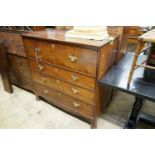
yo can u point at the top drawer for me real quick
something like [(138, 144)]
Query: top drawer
[(76, 58), (71, 57), (39, 50)]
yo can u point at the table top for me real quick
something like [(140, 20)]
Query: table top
[(148, 36), (59, 36), (117, 78)]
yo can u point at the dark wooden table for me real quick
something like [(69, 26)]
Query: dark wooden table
[(142, 87)]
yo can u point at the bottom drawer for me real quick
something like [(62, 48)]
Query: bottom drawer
[(63, 100)]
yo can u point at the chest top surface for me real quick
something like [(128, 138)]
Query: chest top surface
[(59, 37)]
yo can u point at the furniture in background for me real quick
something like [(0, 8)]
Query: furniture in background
[(117, 78), (134, 32), (65, 71), (123, 39), (4, 69), (22, 28), (38, 28), (148, 37), (18, 68), (64, 28), (128, 35)]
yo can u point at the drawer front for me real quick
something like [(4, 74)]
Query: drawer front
[(19, 66), (74, 91), (76, 58), (40, 50), (64, 100), (23, 82), (71, 77)]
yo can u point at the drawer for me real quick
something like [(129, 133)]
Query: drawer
[(72, 57), (23, 82), (40, 50), (72, 90), (19, 66), (64, 100), (66, 75), (76, 58)]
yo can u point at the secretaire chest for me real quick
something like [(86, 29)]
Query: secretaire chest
[(66, 71)]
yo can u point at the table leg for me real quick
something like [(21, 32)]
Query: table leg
[(147, 119), (94, 123), (134, 115)]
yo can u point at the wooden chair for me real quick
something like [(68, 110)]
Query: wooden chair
[(144, 43)]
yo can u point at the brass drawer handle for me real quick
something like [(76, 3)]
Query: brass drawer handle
[(39, 58), (24, 82), (57, 81), (41, 67), (77, 105), (37, 49), (72, 58), (60, 94), (74, 78), (75, 91), (55, 69), (53, 46), (43, 79), (45, 91)]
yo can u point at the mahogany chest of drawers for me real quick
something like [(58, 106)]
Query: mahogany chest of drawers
[(66, 71), (19, 71)]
